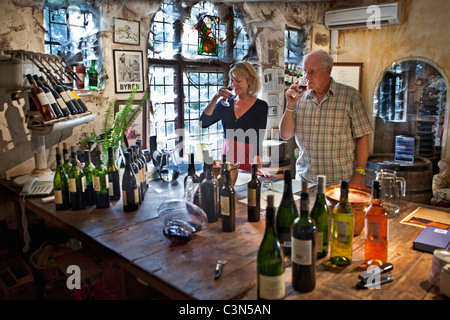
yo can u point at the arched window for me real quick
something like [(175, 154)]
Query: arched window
[(191, 47)]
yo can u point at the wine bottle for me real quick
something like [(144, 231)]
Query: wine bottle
[(135, 168), (64, 96), (304, 247), (210, 197), (66, 164), (51, 99), (221, 175), (286, 215), (61, 185), (40, 100), (205, 157), (270, 260), (89, 176), (57, 96), (376, 230), (101, 183), (144, 161), (130, 191), (227, 202), (80, 102), (141, 173), (321, 216), (342, 224), (72, 98), (76, 184), (92, 77), (195, 179), (113, 176), (254, 196)]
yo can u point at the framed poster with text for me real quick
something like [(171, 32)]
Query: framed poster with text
[(128, 71)]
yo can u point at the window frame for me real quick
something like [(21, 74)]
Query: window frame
[(204, 63)]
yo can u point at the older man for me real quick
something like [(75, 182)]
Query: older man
[(330, 125)]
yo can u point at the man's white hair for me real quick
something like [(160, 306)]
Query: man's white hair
[(325, 58)]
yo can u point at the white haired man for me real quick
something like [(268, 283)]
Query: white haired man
[(330, 125)]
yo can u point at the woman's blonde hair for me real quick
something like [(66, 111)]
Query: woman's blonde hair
[(245, 70)]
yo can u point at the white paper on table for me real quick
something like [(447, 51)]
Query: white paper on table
[(243, 177)]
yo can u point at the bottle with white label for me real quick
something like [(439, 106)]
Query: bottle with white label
[(227, 203), (342, 225), (130, 191), (101, 182), (77, 182), (60, 185), (270, 261), (320, 215), (303, 252)]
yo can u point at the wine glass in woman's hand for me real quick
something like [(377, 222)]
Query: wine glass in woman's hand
[(224, 100)]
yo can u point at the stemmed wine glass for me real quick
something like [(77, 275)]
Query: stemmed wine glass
[(303, 85), (224, 101)]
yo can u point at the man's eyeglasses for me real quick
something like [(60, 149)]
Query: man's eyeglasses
[(310, 72)]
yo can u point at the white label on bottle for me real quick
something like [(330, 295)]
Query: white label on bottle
[(301, 251), (272, 287), (252, 197), (58, 197), (107, 180), (97, 183), (319, 246), (61, 103), (340, 230), (111, 189), (64, 96), (225, 205), (124, 197), (72, 185), (136, 196), (50, 98), (372, 231), (43, 98), (83, 183)]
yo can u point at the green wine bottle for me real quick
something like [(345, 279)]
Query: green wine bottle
[(254, 196), (321, 216), (304, 247), (61, 185), (66, 163), (101, 182), (342, 224), (270, 260), (76, 184), (89, 176), (113, 176), (287, 213)]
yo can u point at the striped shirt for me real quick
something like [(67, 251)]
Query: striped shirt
[(325, 133)]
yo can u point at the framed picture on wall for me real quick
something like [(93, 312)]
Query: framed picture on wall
[(126, 31), (349, 73), (138, 129), (128, 70)]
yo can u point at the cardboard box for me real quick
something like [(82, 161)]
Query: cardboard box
[(16, 280)]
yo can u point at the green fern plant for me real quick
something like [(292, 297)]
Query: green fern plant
[(116, 124)]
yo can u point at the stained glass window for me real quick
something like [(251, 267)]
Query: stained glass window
[(208, 35)]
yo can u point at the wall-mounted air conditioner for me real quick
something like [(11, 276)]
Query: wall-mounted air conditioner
[(371, 17)]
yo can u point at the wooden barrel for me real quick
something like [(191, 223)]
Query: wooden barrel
[(418, 175)]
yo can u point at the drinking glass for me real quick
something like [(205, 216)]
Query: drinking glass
[(224, 101)]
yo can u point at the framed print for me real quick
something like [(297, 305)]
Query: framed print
[(138, 129), (348, 73), (126, 31), (128, 70)]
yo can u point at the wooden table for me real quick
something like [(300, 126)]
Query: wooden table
[(135, 241)]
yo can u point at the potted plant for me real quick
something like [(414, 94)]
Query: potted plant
[(115, 124)]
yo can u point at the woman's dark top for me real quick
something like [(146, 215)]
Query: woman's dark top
[(252, 124)]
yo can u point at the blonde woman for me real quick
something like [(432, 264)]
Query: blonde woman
[(244, 120)]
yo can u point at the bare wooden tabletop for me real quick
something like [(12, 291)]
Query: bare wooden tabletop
[(136, 242)]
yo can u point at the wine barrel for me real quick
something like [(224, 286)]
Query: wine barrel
[(418, 175)]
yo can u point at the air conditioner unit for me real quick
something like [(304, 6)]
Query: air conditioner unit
[(365, 17)]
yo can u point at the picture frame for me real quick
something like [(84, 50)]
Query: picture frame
[(126, 31), (128, 70), (138, 129), (349, 73)]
